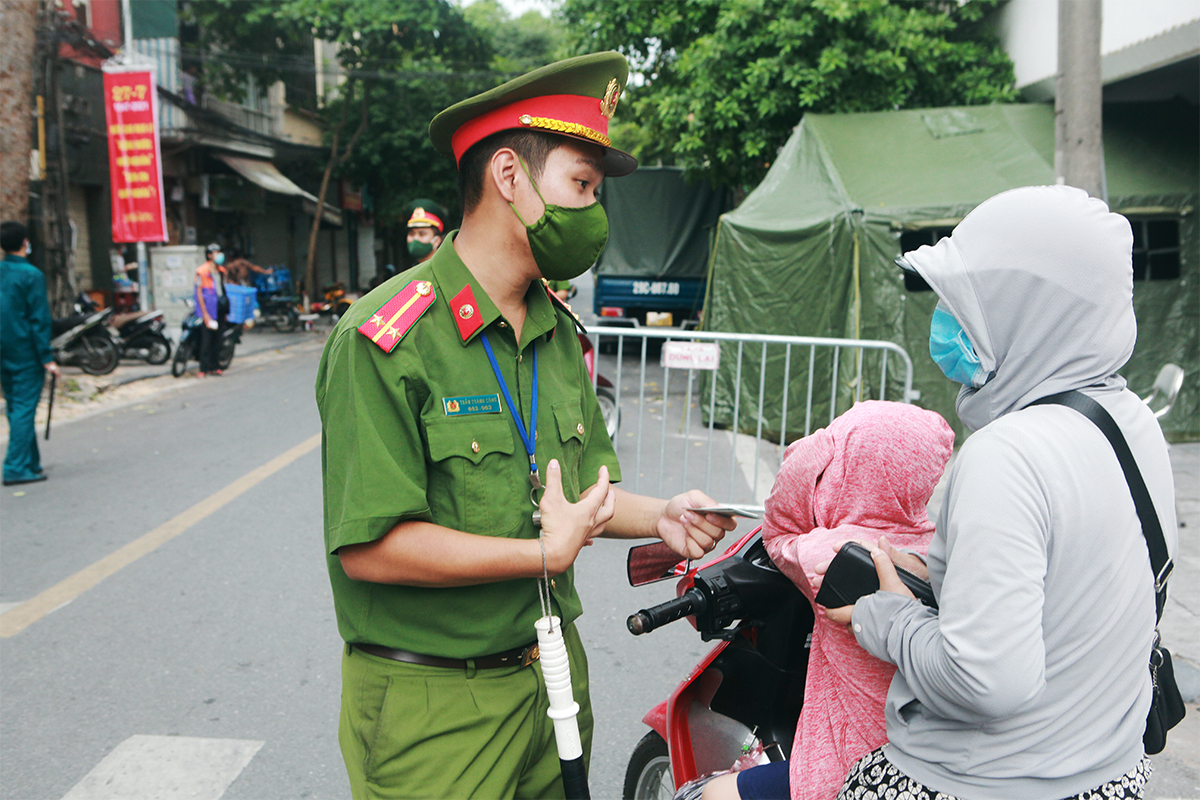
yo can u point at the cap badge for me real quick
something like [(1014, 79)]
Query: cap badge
[(608, 106)]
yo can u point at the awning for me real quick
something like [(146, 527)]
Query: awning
[(264, 174)]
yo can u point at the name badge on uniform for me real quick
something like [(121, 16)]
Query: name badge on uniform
[(472, 404)]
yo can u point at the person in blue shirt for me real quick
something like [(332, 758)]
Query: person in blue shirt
[(25, 353)]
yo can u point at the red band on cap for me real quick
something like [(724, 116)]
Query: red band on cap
[(565, 109), (426, 220)]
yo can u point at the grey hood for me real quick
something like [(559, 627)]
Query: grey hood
[(1041, 279)]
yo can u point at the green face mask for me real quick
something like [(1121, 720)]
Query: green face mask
[(566, 241), (418, 249)]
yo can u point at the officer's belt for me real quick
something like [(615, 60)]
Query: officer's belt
[(517, 657)]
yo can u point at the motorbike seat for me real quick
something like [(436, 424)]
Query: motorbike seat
[(64, 324), (119, 321)]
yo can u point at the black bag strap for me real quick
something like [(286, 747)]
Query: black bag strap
[(1160, 560)]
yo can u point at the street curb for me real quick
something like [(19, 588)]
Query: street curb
[(167, 371)]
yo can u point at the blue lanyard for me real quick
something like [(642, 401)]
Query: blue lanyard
[(528, 437)]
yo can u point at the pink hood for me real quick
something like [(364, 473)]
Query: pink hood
[(870, 472)]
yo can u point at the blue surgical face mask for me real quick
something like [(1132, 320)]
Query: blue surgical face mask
[(952, 351), (219, 259)]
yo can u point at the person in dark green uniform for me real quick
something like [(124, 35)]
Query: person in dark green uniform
[(426, 228), (448, 396), (25, 353)]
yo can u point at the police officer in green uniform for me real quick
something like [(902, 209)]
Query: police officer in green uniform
[(449, 397), (25, 354), (426, 227)]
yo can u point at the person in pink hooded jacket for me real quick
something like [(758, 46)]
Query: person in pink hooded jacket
[(866, 477)]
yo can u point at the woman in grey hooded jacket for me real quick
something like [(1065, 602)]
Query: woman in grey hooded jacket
[(1032, 679)]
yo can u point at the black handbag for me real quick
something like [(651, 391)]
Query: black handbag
[(852, 575), (1167, 708)]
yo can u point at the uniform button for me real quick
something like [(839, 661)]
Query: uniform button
[(553, 585), (579, 428), (520, 357), (503, 324), (474, 447)]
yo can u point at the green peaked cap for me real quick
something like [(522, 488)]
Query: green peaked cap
[(575, 98), (426, 207)]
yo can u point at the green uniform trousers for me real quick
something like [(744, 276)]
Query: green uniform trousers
[(22, 390), (411, 731)]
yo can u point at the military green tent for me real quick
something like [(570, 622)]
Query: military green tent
[(810, 251)]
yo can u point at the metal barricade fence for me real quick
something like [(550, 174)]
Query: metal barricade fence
[(634, 367)]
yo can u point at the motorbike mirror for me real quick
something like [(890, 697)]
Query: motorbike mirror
[(654, 562), (1166, 388)]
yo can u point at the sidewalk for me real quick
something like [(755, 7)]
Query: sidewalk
[(79, 394)]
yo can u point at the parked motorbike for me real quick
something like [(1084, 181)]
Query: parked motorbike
[(279, 311), (188, 348), (605, 393), (82, 340), (336, 302), (140, 335), (742, 701), (278, 306)]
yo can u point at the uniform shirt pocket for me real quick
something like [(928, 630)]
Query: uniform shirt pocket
[(572, 433), (470, 474)]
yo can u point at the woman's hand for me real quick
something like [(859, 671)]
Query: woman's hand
[(907, 561)]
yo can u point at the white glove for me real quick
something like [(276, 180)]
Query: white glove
[(211, 324)]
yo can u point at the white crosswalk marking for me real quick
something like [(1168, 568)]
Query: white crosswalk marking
[(166, 768)]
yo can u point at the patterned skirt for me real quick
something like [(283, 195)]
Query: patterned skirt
[(874, 778)]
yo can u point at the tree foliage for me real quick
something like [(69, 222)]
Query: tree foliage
[(412, 57), (724, 82)]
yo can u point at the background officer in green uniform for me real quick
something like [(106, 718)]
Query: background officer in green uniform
[(439, 392), (426, 227), (25, 354)]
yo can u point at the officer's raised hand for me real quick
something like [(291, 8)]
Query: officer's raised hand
[(567, 526)]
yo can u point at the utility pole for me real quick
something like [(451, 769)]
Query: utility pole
[(58, 253), (18, 20), (1078, 143)]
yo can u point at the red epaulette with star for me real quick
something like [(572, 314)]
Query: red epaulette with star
[(387, 326), (558, 301)]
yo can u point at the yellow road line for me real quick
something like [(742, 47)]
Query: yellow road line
[(18, 619)]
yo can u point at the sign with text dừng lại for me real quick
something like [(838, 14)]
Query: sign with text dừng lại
[(134, 160)]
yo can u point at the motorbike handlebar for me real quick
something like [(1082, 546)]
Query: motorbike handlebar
[(693, 601)]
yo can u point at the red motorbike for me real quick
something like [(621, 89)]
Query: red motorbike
[(740, 704)]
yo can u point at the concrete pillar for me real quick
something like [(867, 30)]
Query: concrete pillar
[(1078, 146)]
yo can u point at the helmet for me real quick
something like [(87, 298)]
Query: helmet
[(212, 248)]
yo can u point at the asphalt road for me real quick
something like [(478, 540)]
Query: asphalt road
[(166, 625), (215, 627)]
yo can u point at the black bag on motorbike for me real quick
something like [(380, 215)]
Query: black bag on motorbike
[(1166, 704)]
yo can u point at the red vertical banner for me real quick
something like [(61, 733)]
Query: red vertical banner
[(134, 158)]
